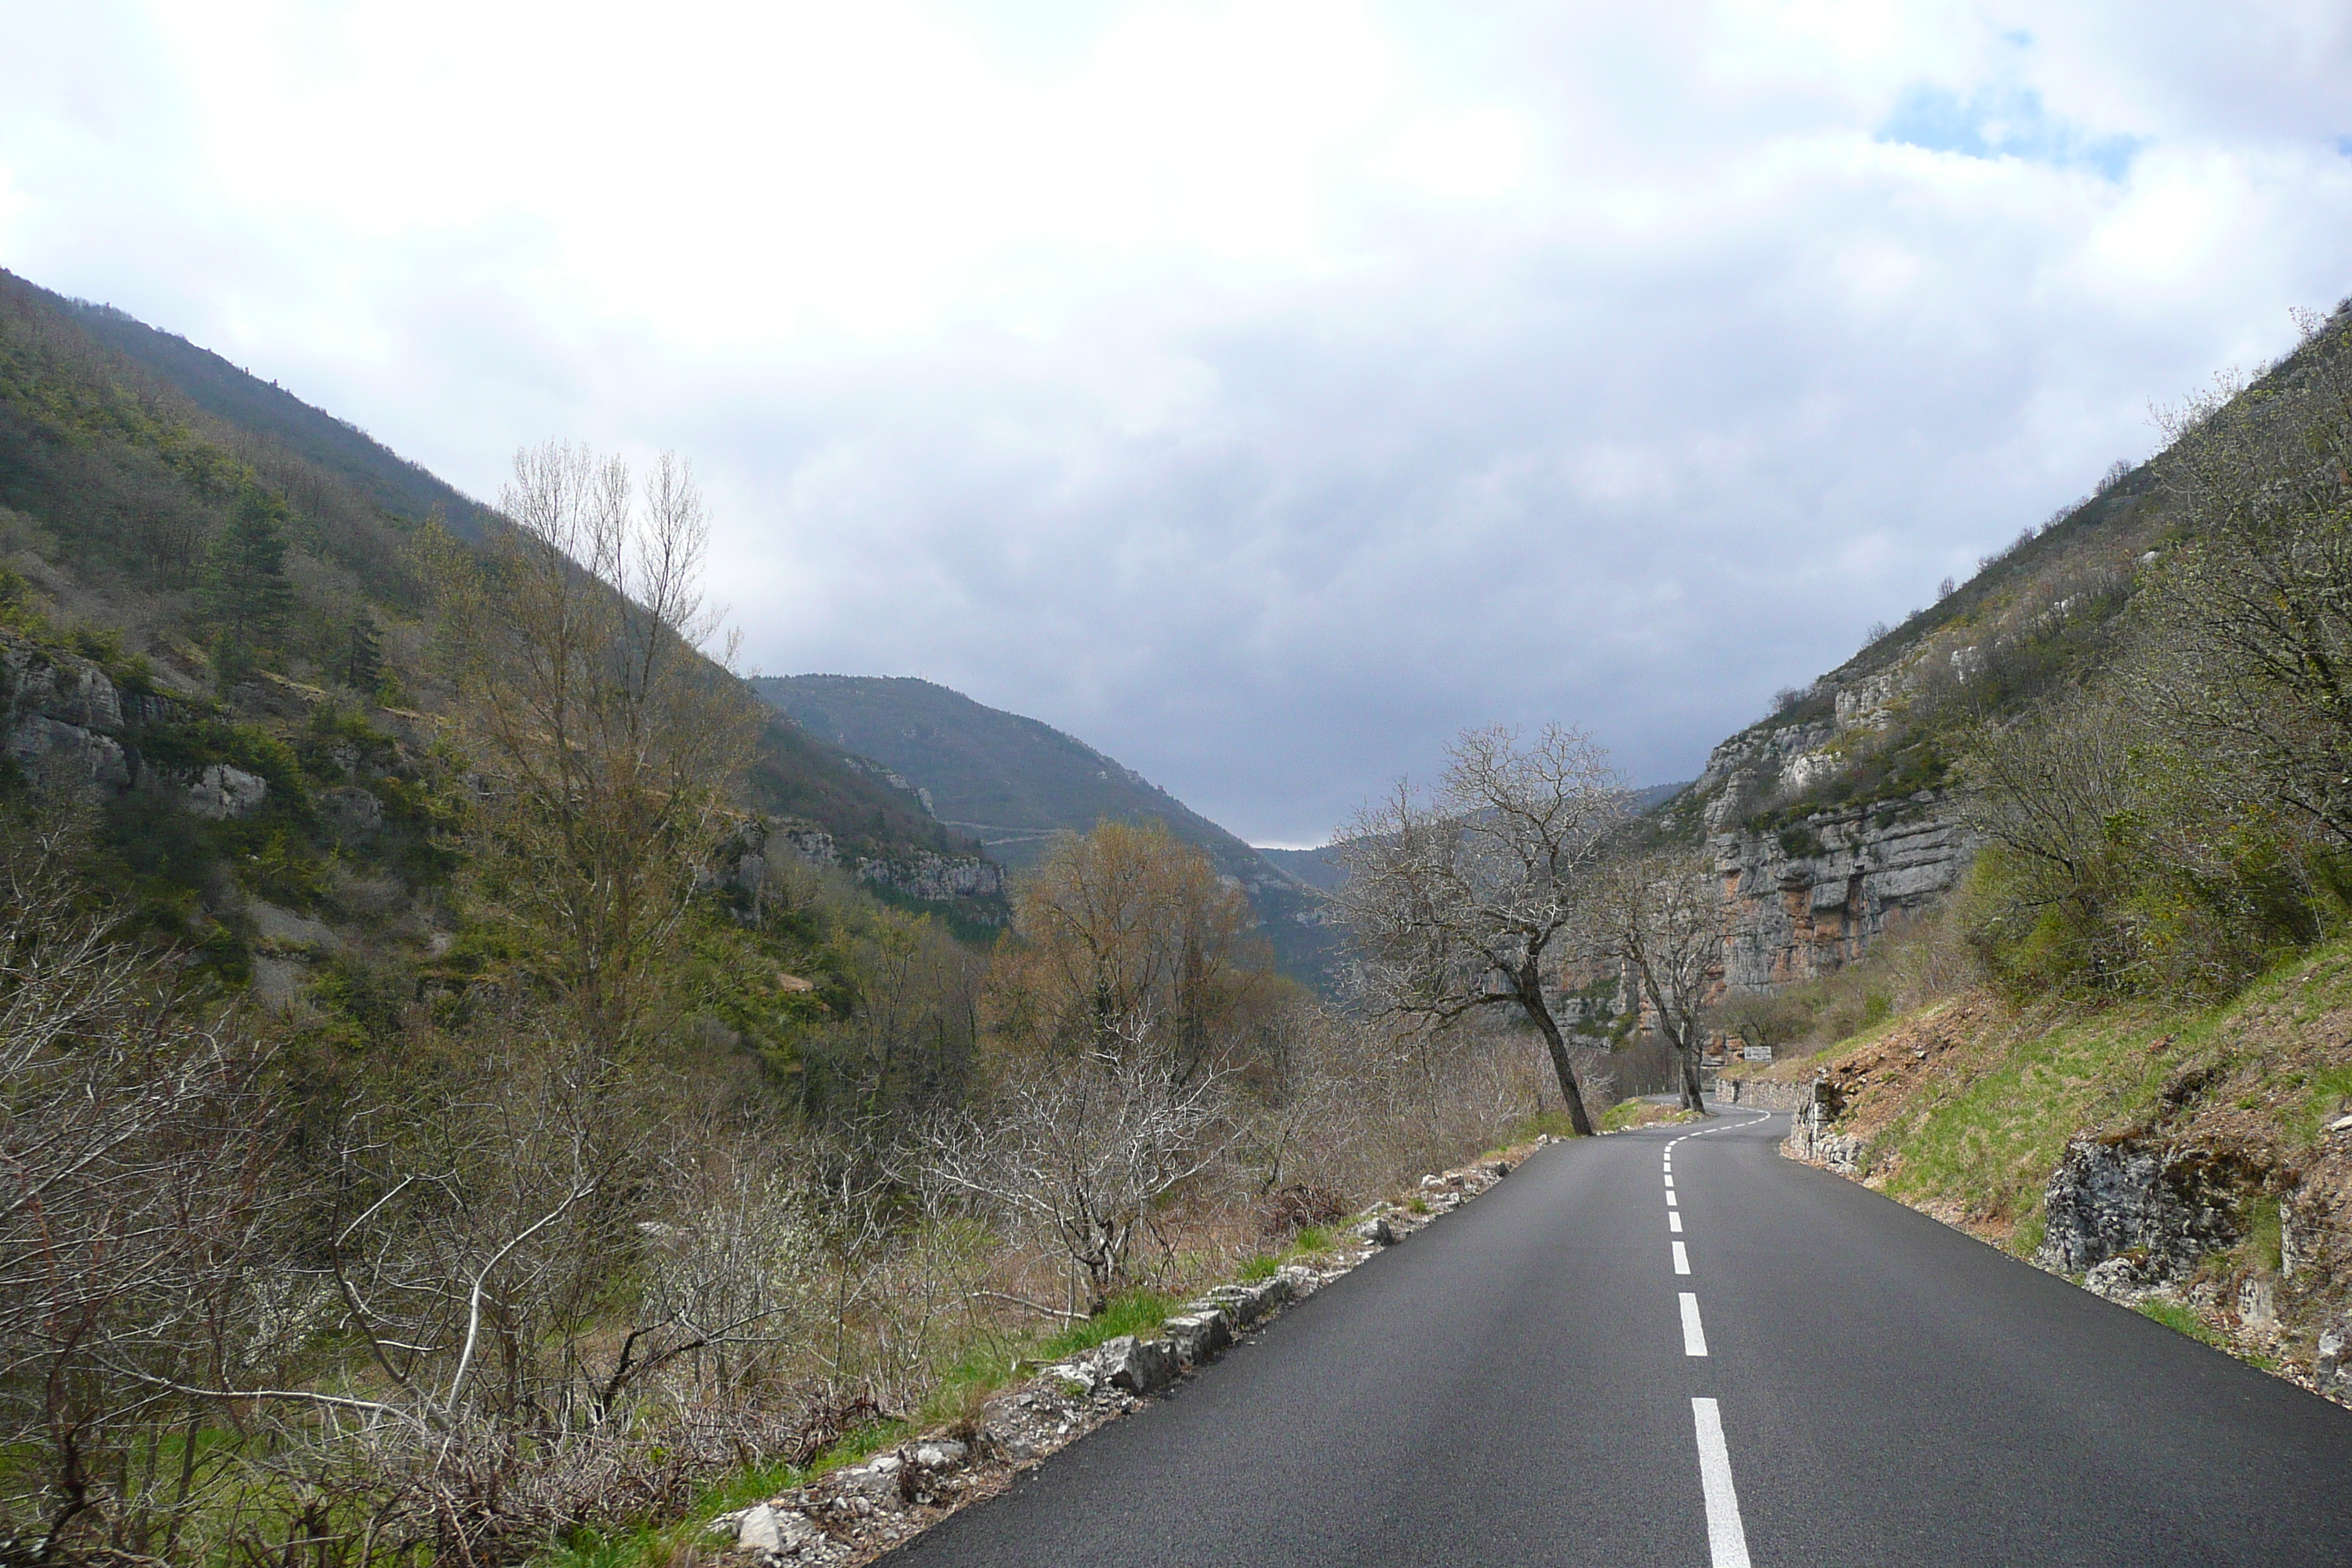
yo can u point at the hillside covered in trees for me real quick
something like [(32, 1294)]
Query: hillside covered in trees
[(475, 1083), (2118, 1042)]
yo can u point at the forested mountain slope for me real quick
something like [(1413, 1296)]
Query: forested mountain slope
[(1015, 784), (227, 578), (258, 408)]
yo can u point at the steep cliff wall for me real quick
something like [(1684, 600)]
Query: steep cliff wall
[(1807, 887), (1805, 899)]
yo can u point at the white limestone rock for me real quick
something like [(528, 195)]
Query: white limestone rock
[(222, 791)]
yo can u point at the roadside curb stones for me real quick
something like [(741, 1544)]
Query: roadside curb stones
[(1199, 1333), (856, 1513), (1139, 1366)]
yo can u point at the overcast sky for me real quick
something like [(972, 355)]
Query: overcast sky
[(1259, 392)]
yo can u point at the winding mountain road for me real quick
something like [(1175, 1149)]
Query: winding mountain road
[(1674, 1347)]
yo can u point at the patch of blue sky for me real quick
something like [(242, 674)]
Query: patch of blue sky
[(2003, 123), (2343, 145)]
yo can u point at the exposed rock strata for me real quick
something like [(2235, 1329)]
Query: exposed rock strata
[(925, 874), (59, 708), (2164, 1207), (1803, 903)]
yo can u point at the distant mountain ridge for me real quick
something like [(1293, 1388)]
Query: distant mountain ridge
[(1014, 783)]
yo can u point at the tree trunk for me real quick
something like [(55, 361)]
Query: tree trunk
[(1692, 1100), (1541, 1016)]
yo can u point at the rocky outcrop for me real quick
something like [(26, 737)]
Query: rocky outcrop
[(756, 843), (58, 708), (1743, 771), (221, 792), (2158, 1210), (934, 876), (1807, 899)]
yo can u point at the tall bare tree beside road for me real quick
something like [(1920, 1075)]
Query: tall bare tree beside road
[(1663, 915), (1456, 899)]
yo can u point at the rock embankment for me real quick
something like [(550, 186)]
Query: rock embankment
[(2205, 1169), (854, 1514)]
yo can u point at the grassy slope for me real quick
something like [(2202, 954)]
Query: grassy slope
[(1964, 1108)]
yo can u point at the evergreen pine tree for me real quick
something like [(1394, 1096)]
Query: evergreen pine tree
[(245, 585), (362, 662)]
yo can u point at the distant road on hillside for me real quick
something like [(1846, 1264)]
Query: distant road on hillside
[(1674, 1347)]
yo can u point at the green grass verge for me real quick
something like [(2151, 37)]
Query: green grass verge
[(959, 1390), (2180, 1320), (1137, 1312), (1988, 1143)]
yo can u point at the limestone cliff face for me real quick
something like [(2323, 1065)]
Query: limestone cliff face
[(1804, 901), (60, 717), (922, 874), (1813, 891), (62, 724)]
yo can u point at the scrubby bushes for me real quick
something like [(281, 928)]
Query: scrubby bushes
[(2179, 821)]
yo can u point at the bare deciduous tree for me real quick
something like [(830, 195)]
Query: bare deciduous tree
[(2046, 792), (1455, 899), (609, 738), (1079, 1150), (131, 1215), (2250, 651), (1663, 915)]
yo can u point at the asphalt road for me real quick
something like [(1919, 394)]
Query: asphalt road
[(1517, 1385)]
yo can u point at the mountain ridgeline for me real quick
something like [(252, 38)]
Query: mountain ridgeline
[(1015, 783), (238, 571)]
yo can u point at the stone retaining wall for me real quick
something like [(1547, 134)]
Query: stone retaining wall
[(856, 1513)]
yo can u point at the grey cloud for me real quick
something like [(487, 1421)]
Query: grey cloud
[(1667, 431)]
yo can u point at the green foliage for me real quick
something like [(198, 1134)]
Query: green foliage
[(360, 665), (1985, 1142), (1263, 1265), (1799, 842), (1990, 1141), (1627, 1114), (1549, 1123), (1135, 1313), (2266, 1234), (244, 585)]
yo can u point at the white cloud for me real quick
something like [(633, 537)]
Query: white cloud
[(1258, 390)]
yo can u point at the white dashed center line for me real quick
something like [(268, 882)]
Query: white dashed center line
[(1682, 1260), (1694, 1336), (1673, 1220), (1670, 1178), (1672, 1202), (1726, 1542)]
